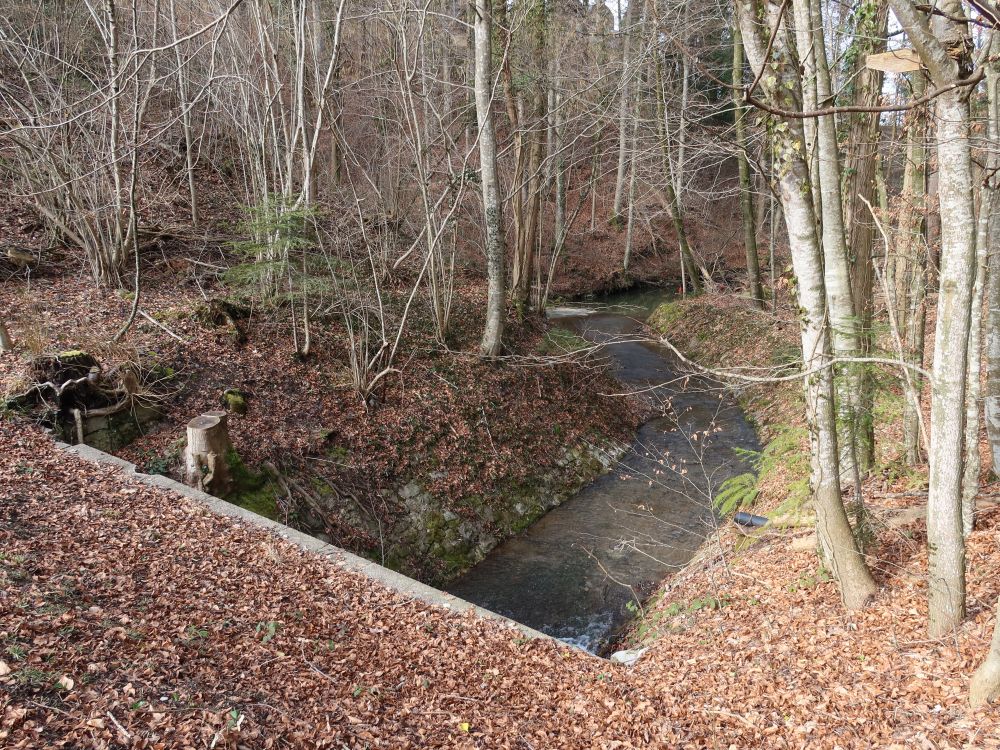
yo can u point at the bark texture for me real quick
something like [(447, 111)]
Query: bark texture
[(746, 187), (207, 454), (759, 20), (496, 248), (945, 52), (985, 684)]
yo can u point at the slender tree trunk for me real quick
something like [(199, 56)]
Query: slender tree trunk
[(987, 209), (559, 227), (912, 309), (854, 458), (862, 159), (746, 187), (991, 404), (689, 269), (185, 105), (758, 19), (807, 59), (624, 22), (945, 535), (533, 193), (630, 222), (973, 464)]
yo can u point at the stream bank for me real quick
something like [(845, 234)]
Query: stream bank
[(582, 571)]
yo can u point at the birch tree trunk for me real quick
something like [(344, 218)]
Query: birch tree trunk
[(987, 208), (991, 404), (945, 536), (854, 458), (496, 249), (782, 88)]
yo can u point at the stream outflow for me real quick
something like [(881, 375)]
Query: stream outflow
[(576, 572)]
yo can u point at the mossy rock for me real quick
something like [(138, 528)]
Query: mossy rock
[(235, 401)]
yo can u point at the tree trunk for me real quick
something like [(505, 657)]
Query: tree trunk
[(945, 537), (746, 188), (854, 457), (807, 60), (208, 453), (987, 208), (985, 684), (837, 542), (630, 222), (496, 248), (973, 463), (991, 404), (912, 308), (623, 107), (689, 269), (862, 157)]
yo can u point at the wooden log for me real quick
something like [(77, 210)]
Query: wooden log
[(207, 454)]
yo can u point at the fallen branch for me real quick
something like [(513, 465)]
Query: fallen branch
[(160, 325)]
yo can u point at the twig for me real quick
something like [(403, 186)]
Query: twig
[(120, 727), (160, 325)]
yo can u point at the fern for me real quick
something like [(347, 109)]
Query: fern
[(782, 453), (736, 493)]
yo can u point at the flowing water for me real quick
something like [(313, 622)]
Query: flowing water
[(574, 573)]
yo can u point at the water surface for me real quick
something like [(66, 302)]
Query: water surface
[(573, 573)]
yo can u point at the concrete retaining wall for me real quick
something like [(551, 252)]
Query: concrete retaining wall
[(408, 587)]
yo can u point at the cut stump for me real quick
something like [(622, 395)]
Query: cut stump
[(206, 457), (6, 345)]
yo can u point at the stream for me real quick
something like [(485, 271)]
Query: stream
[(576, 573)]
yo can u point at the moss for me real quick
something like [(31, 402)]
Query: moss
[(561, 341), (338, 452), (665, 316), (252, 490), (263, 500), (235, 401)]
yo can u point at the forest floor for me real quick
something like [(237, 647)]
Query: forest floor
[(466, 427), (134, 618)]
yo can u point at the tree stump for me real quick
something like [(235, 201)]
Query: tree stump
[(6, 345), (207, 454)]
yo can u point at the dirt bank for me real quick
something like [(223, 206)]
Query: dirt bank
[(452, 455)]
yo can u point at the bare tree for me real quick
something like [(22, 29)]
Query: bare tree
[(496, 246), (944, 48), (766, 36), (746, 186)]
